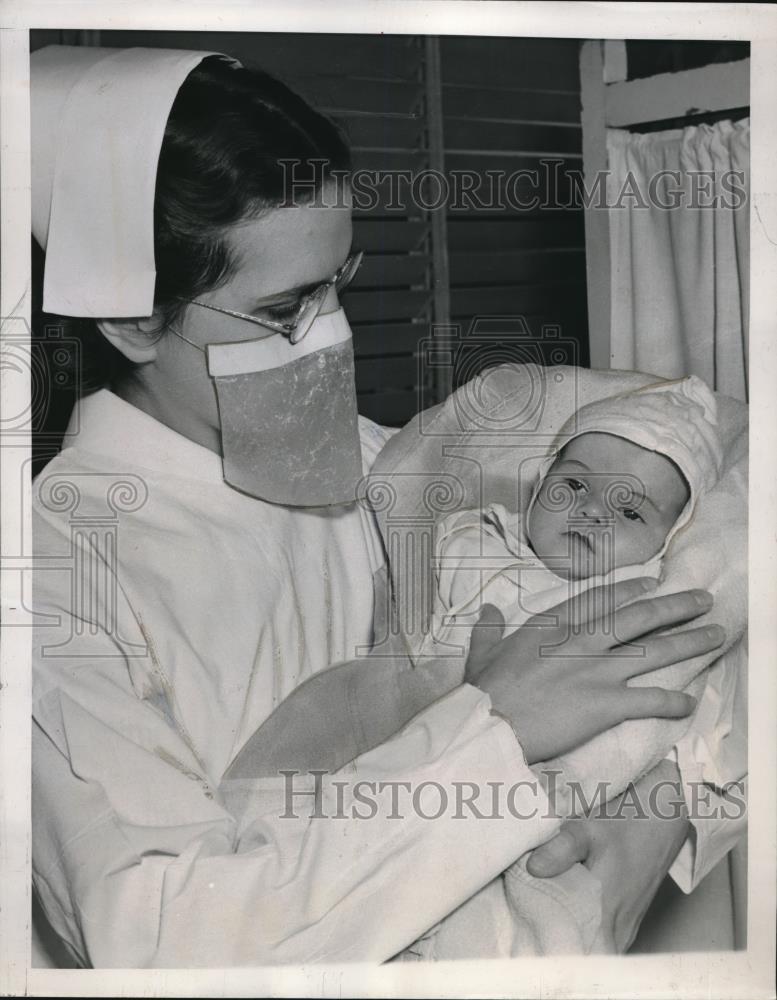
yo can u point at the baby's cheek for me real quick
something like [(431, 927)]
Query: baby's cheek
[(540, 528), (645, 546), (531, 523), (626, 549)]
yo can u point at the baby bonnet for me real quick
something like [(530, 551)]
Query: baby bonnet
[(677, 419)]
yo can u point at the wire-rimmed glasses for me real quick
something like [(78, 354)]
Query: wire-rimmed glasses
[(304, 312)]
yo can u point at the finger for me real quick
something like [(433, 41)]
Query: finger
[(487, 630), (599, 602), (658, 703), (560, 853), (662, 650), (642, 617)]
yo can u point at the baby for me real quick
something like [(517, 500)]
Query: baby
[(620, 480)]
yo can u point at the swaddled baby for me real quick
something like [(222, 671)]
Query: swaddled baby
[(622, 478)]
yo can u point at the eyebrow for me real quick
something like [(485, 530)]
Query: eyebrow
[(574, 461), (296, 289)]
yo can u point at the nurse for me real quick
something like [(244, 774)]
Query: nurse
[(200, 561)]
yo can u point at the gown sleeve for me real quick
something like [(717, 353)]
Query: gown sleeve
[(139, 862)]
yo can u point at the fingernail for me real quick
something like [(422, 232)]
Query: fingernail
[(649, 585), (716, 632), (702, 598)]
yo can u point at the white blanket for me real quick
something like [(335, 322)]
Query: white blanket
[(484, 446)]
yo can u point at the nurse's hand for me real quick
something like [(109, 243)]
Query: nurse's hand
[(628, 845), (559, 685)]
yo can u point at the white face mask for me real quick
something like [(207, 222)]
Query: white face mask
[(289, 425)]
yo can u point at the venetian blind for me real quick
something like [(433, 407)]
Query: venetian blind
[(512, 134)]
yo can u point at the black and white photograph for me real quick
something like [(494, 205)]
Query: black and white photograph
[(380, 558)]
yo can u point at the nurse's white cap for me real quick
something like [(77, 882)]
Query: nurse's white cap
[(97, 120)]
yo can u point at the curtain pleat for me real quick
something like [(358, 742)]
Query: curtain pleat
[(679, 231)]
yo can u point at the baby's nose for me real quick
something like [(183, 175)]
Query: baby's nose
[(593, 509)]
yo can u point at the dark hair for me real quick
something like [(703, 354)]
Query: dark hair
[(228, 131)]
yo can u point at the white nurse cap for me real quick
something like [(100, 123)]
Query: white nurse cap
[(97, 119)]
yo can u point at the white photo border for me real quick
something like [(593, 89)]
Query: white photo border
[(747, 974)]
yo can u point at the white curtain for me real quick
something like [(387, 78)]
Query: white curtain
[(680, 274)]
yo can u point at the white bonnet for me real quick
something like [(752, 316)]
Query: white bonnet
[(97, 122), (677, 419)]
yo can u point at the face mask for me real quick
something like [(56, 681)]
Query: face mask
[(289, 425)]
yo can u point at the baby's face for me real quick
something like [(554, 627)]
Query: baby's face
[(605, 502)]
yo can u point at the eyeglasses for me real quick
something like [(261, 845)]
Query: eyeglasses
[(302, 313)]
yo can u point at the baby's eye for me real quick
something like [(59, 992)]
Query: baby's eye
[(575, 485), (631, 514)]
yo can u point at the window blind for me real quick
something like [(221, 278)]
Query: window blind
[(517, 261)]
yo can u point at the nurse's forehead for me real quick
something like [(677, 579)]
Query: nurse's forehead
[(292, 246)]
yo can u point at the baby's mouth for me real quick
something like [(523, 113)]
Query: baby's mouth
[(583, 539)]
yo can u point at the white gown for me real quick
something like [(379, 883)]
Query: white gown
[(173, 614)]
